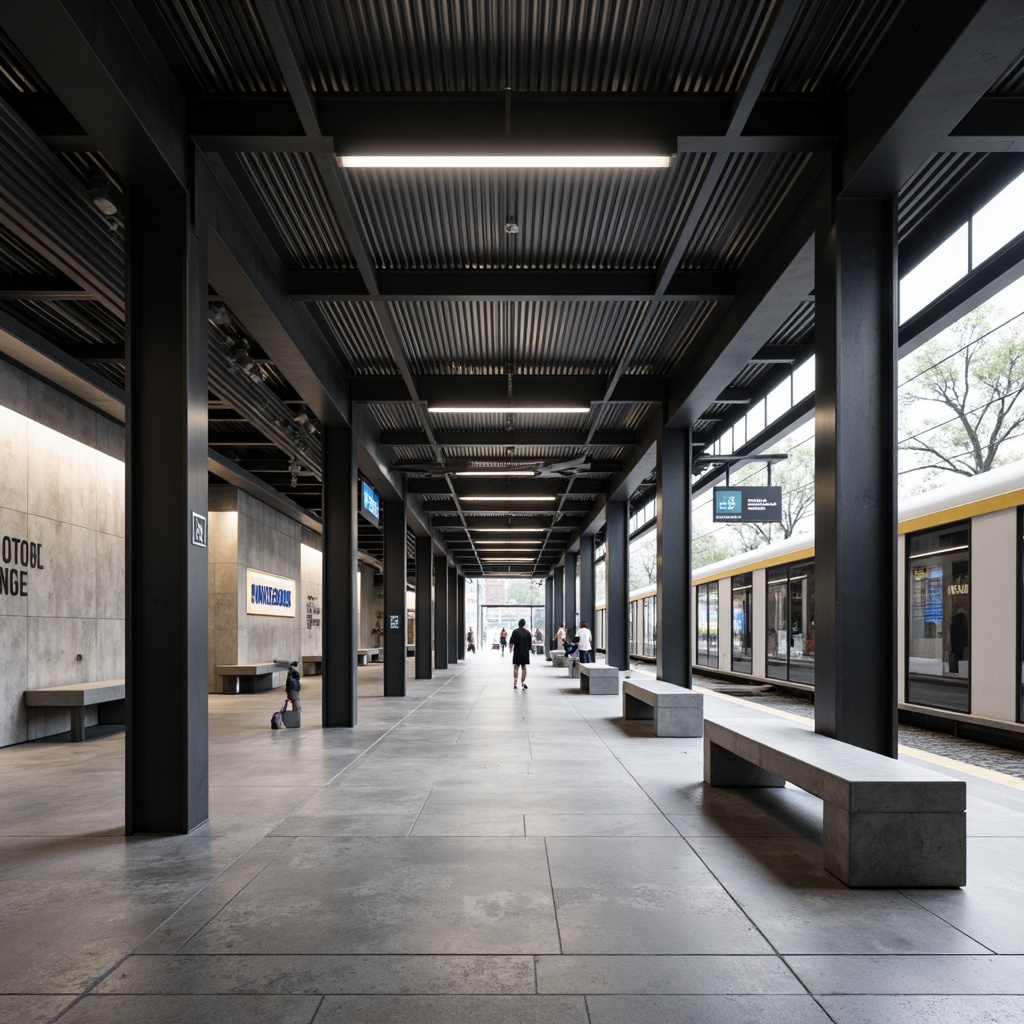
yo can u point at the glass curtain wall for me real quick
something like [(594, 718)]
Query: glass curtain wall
[(939, 616), (742, 610)]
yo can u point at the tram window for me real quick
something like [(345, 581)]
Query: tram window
[(939, 618), (707, 624), (790, 625), (742, 609)]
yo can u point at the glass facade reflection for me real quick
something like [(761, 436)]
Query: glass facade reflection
[(707, 624), (790, 635), (939, 618), (742, 617)]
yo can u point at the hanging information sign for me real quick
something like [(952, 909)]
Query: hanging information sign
[(747, 505)]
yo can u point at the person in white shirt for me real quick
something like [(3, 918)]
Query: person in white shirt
[(585, 639), (560, 638)]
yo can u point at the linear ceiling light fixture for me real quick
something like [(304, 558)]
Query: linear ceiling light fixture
[(509, 529), (505, 160), (496, 472), (508, 497), (536, 409)]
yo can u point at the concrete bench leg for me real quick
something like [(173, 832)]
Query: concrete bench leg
[(633, 707), (724, 768), (77, 725)]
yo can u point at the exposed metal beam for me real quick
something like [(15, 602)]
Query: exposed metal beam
[(41, 288), (518, 438)]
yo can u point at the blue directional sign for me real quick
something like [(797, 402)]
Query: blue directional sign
[(747, 505), (369, 503)]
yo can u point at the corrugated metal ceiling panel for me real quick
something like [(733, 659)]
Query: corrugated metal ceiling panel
[(568, 219), (674, 328), (1011, 81), (558, 46), (919, 196), (356, 333), (72, 323), (830, 42), (750, 190), (290, 187), (394, 415), (16, 74), (17, 257), (531, 337)]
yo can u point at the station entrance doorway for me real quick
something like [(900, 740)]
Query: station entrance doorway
[(492, 618)]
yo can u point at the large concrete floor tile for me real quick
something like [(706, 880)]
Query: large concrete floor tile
[(654, 975), (643, 895), (594, 824), (31, 1009), (415, 895), (326, 822), (800, 908), (705, 1010), (173, 1009), (473, 823), (320, 974), (453, 1010), (972, 1009), (989, 908), (897, 975)]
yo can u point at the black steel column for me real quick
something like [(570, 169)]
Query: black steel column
[(559, 618), (395, 625), (587, 600), (424, 608), (855, 474), (453, 615), (440, 612), (549, 615), (461, 603), (166, 750), (341, 605), (675, 464), (616, 562), (570, 592)]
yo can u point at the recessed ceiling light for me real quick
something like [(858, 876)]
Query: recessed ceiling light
[(507, 160)]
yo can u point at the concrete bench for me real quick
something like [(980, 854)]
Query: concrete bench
[(367, 654), (76, 697), (675, 710), (250, 678), (558, 658), (886, 823), (596, 678), (312, 664)]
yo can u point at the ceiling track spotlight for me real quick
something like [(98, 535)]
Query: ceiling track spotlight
[(103, 195), (511, 226), (242, 357)]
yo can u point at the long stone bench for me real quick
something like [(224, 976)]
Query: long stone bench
[(674, 710), (886, 823), (250, 678), (558, 658), (76, 697), (603, 679), (312, 664), (367, 654)]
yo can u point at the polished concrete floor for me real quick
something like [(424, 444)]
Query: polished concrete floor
[(474, 853)]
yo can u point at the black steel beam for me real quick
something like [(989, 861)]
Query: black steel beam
[(42, 288), (395, 596), (675, 506), (519, 438)]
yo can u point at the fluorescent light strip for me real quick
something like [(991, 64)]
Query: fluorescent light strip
[(496, 472), (503, 409), (507, 160), (508, 497), (509, 529)]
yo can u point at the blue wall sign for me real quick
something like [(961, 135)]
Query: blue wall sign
[(747, 505), (369, 503)]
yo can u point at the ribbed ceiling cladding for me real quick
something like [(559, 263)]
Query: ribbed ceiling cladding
[(18, 257), (356, 332), (918, 197), (16, 74), (673, 329), (567, 218), (829, 44), (223, 45), (619, 416), (394, 415), (749, 191), (72, 323), (496, 456), (794, 328), (368, 46), (290, 187), (473, 423), (581, 337)]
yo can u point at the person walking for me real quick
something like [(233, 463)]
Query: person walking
[(521, 642), (503, 640), (470, 643), (585, 639)]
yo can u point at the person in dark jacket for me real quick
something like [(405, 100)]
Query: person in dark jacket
[(292, 685), (521, 642)]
